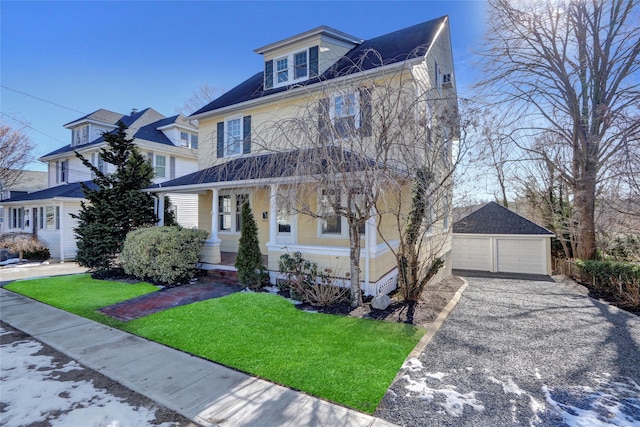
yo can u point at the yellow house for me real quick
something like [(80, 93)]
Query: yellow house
[(330, 116)]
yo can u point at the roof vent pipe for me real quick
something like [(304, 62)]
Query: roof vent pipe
[(134, 111)]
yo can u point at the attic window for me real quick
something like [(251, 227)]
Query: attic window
[(80, 136), (292, 68)]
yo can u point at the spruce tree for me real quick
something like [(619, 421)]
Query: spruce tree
[(116, 206), (251, 271)]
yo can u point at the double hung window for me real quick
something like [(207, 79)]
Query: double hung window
[(282, 70), (224, 213), (331, 221), (160, 166), (233, 144), (241, 199), (230, 211)]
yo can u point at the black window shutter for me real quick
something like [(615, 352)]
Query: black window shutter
[(220, 139), (323, 120), (246, 134), (268, 74), (313, 62), (365, 112)]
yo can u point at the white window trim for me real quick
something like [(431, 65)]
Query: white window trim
[(344, 223), (226, 136), (155, 166), (290, 57), (234, 212), (356, 107)]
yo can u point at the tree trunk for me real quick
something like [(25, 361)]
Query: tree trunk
[(354, 264), (585, 194)]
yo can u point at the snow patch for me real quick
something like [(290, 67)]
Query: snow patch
[(612, 403), (454, 401), (509, 386), (412, 365), (32, 392)]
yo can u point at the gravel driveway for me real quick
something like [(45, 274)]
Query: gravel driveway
[(518, 352)]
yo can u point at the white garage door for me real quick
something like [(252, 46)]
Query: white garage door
[(521, 256), (471, 253)]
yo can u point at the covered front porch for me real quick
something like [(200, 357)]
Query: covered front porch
[(292, 215)]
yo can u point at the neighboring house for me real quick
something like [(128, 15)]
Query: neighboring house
[(28, 181), (238, 161), (170, 143), (495, 239)]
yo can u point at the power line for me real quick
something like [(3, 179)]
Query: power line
[(41, 99), (27, 125)]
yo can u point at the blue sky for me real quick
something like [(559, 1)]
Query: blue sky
[(80, 56)]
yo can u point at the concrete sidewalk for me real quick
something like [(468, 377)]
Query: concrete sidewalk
[(13, 272), (203, 391)]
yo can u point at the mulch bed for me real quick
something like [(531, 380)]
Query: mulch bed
[(434, 298)]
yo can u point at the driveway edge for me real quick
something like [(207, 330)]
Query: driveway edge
[(437, 324)]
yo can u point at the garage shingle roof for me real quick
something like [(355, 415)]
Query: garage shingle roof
[(496, 219)]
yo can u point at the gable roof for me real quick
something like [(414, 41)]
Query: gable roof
[(72, 191), (101, 115), (142, 125), (493, 218), (398, 46), (271, 165)]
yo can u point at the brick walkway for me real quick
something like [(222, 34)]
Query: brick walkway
[(167, 298)]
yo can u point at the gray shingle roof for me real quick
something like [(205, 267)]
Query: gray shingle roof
[(493, 218), (73, 190), (398, 46), (101, 115), (145, 123), (306, 162)]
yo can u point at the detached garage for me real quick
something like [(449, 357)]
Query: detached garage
[(495, 239)]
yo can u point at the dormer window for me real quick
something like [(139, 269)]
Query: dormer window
[(300, 65), (80, 136), (189, 140), (291, 68), (282, 70)]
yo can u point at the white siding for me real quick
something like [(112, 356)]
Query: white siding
[(187, 207)]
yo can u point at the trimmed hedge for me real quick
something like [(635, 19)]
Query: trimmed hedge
[(166, 255), (620, 278)]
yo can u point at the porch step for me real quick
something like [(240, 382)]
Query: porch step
[(225, 277)]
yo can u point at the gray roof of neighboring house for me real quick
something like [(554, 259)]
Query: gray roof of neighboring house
[(272, 165), (496, 219), (142, 125), (398, 46), (101, 115), (73, 190)]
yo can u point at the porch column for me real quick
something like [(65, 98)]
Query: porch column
[(215, 207), (273, 215), (211, 252), (160, 209)]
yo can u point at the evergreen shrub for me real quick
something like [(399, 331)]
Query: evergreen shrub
[(251, 270), (620, 278), (165, 255)]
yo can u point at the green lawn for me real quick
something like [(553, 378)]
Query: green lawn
[(80, 294), (346, 360)]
